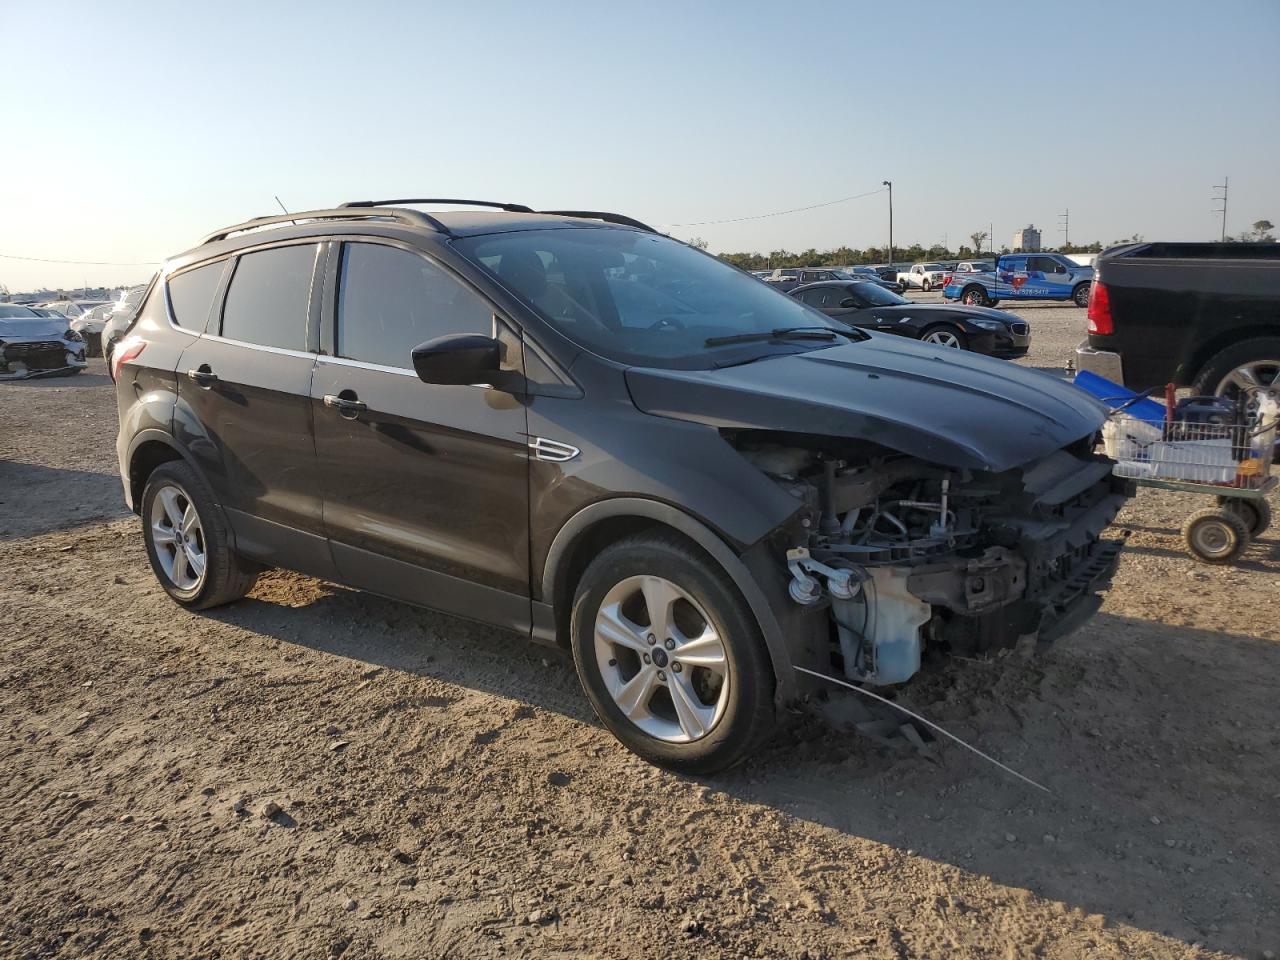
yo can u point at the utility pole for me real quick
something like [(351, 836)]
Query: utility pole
[(991, 237), (889, 184), (1064, 227), (1226, 182)]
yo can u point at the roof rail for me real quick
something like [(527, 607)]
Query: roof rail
[(600, 215), (413, 218), (516, 208), (509, 207)]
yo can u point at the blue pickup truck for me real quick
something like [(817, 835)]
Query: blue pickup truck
[(1023, 276)]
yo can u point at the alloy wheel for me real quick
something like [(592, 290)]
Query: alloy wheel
[(178, 537), (662, 659), (943, 338), (1248, 382)]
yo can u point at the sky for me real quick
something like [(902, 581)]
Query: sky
[(131, 129)]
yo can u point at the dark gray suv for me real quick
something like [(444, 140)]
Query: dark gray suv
[(571, 426)]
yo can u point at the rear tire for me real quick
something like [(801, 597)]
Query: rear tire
[(633, 684), (1215, 535), (175, 538), (1226, 372), (975, 297)]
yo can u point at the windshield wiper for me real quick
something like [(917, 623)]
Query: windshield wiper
[(781, 333)]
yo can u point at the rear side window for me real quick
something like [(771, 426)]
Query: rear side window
[(391, 300), (191, 295), (270, 296)]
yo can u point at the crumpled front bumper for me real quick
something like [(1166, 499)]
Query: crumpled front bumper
[(25, 357)]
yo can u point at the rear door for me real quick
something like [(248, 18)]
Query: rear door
[(426, 487), (1011, 277), (244, 393)]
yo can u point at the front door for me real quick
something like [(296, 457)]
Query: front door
[(1050, 276), (244, 391), (426, 487)]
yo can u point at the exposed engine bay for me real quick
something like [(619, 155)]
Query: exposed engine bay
[(911, 556)]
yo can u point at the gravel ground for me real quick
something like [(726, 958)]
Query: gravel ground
[(314, 772)]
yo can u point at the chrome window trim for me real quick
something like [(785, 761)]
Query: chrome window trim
[(280, 351), (365, 365), (325, 360)]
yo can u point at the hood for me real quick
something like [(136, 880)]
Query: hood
[(948, 407), (27, 327), (943, 310)]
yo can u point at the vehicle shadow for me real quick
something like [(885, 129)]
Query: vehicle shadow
[(1160, 811), (29, 507)]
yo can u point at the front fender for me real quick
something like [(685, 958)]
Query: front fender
[(764, 590)]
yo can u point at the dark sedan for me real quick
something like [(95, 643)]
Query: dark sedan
[(871, 307)]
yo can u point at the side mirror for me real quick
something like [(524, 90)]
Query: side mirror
[(848, 303), (458, 359)]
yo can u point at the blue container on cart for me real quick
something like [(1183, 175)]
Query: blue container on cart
[(1117, 397)]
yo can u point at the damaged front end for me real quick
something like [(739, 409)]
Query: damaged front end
[(38, 348), (911, 556)]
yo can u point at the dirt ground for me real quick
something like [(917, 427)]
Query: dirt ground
[(313, 772)]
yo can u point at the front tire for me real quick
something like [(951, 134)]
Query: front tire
[(945, 335), (670, 655), (187, 540), (926, 287), (1081, 295)]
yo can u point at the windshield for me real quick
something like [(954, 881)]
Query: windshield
[(934, 266), (644, 299), (11, 311), (878, 296)]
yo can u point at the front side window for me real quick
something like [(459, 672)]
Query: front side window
[(270, 296), (644, 299), (391, 300), (872, 294), (191, 295)]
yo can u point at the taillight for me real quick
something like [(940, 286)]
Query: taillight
[(1100, 321), (125, 351)]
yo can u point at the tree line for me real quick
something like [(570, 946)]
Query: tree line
[(1261, 232)]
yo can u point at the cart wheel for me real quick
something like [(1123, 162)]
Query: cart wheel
[(1256, 514), (1215, 535)]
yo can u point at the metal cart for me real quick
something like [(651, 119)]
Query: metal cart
[(1229, 461)]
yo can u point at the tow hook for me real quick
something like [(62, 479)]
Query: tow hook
[(842, 584)]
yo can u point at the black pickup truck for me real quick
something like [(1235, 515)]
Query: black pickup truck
[(1200, 315)]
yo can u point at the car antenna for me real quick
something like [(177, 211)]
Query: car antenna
[(284, 208)]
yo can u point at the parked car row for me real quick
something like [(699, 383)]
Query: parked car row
[(90, 318)]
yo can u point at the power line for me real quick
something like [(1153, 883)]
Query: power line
[(778, 213), (82, 263)]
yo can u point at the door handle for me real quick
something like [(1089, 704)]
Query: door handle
[(347, 407), (203, 376)]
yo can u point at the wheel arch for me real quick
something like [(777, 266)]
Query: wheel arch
[(1203, 354), (148, 450), (598, 524)]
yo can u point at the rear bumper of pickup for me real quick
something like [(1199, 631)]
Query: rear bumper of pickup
[(1104, 363)]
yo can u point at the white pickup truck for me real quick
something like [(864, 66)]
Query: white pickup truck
[(924, 276)]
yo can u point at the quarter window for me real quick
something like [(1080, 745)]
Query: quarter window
[(191, 295), (391, 300), (269, 297)]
